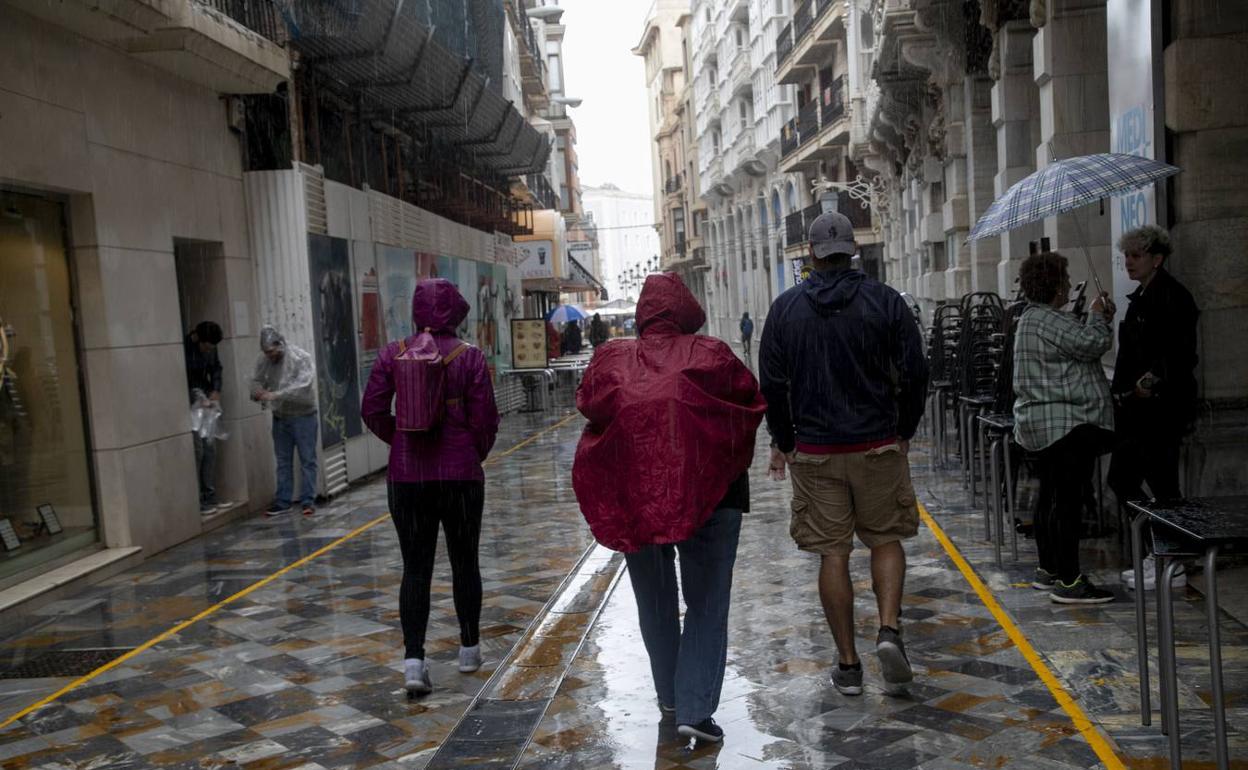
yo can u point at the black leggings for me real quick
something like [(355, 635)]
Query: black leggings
[(1065, 469), (417, 509)]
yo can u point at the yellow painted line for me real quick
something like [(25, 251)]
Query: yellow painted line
[(1090, 731), (249, 589)]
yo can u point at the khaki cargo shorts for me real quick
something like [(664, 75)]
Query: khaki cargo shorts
[(836, 495)]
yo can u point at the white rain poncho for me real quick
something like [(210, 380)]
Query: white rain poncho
[(291, 379)]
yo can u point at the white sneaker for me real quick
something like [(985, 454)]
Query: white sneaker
[(469, 659), (225, 506), (1150, 576), (416, 677)]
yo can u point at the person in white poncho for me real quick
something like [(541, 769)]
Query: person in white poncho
[(284, 380)]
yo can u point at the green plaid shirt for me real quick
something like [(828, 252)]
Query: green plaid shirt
[(1059, 383)]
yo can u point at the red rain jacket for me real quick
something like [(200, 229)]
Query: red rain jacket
[(672, 418)]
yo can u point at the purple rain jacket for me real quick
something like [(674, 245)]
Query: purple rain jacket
[(455, 451)]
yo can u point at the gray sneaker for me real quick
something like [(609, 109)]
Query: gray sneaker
[(416, 678), (1044, 580), (847, 681), (469, 659), (893, 661)]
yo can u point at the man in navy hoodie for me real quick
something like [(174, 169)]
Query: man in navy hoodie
[(842, 368)]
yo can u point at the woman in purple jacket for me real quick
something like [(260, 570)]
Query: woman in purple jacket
[(436, 477)]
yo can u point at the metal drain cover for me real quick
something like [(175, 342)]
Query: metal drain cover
[(63, 663)]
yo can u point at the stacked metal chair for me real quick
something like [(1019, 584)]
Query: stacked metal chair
[(944, 341)]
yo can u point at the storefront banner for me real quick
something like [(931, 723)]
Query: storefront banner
[(334, 324), (1135, 105), (537, 259)]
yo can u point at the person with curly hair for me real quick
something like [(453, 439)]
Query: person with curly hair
[(1064, 413), (1154, 386)]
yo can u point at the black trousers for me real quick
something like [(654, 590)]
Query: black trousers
[(417, 510), (1064, 470), (1147, 452)]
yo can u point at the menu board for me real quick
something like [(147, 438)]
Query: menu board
[(528, 343)]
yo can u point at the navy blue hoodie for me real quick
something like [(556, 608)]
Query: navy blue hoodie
[(841, 362)]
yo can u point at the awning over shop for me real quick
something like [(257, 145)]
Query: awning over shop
[(584, 280), (384, 56)]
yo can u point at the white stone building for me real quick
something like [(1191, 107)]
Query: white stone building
[(628, 245), (739, 111)]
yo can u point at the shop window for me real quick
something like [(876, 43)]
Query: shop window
[(45, 485)]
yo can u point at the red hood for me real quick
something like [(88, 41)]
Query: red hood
[(672, 419), (438, 305), (667, 306)]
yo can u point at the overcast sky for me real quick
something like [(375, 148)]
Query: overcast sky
[(612, 127)]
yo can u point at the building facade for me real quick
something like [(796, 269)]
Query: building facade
[(739, 111), (969, 98), (679, 211), (167, 163), (627, 240)]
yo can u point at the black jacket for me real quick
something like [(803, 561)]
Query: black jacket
[(1158, 335), (203, 370), (841, 362)]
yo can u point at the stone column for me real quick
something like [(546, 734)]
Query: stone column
[(949, 131), (981, 164), (1206, 111), (1016, 119), (1071, 69)]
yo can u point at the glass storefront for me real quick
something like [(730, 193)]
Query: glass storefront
[(46, 507)]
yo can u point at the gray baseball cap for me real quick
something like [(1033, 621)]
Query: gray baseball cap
[(832, 233)]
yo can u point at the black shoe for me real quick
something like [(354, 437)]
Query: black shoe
[(1044, 580), (276, 509), (706, 731), (894, 664), (1080, 592)]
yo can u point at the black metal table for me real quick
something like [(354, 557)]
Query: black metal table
[(1199, 526)]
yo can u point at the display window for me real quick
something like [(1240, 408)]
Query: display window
[(46, 507)]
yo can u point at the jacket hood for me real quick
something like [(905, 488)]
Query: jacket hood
[(666, 302), (831, 291), (271, 338), (438, 305)]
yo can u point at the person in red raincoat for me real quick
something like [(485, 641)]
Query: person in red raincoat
[(660, 468)]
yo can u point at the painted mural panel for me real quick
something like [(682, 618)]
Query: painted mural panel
[(334, 325), (367, 305)]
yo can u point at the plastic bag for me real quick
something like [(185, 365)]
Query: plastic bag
[(206, 418)]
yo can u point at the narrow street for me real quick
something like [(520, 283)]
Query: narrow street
[(271, 665)]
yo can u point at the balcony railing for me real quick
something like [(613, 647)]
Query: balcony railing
[(821, 7), (788, 138), (784, 44), (794, 229), (833, 107), (859, 215), (802, 21), (542, 191), (259, 16), (808, 121), (672, 185)]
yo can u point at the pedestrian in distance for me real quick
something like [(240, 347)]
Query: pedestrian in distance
[(1063, 412), (284, 380), (842, 368), (598, 333), (571, 341), (747, 334), (660, 470), (1154, 387), (430, 398), (203, 378)]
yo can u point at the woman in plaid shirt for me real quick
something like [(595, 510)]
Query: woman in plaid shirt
[(1064, 413)]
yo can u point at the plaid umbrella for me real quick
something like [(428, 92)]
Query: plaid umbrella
[(1068, 184)]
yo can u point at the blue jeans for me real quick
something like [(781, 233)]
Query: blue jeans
[(688, 666), (290, 433)]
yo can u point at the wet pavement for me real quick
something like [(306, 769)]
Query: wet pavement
[(304, 671)]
